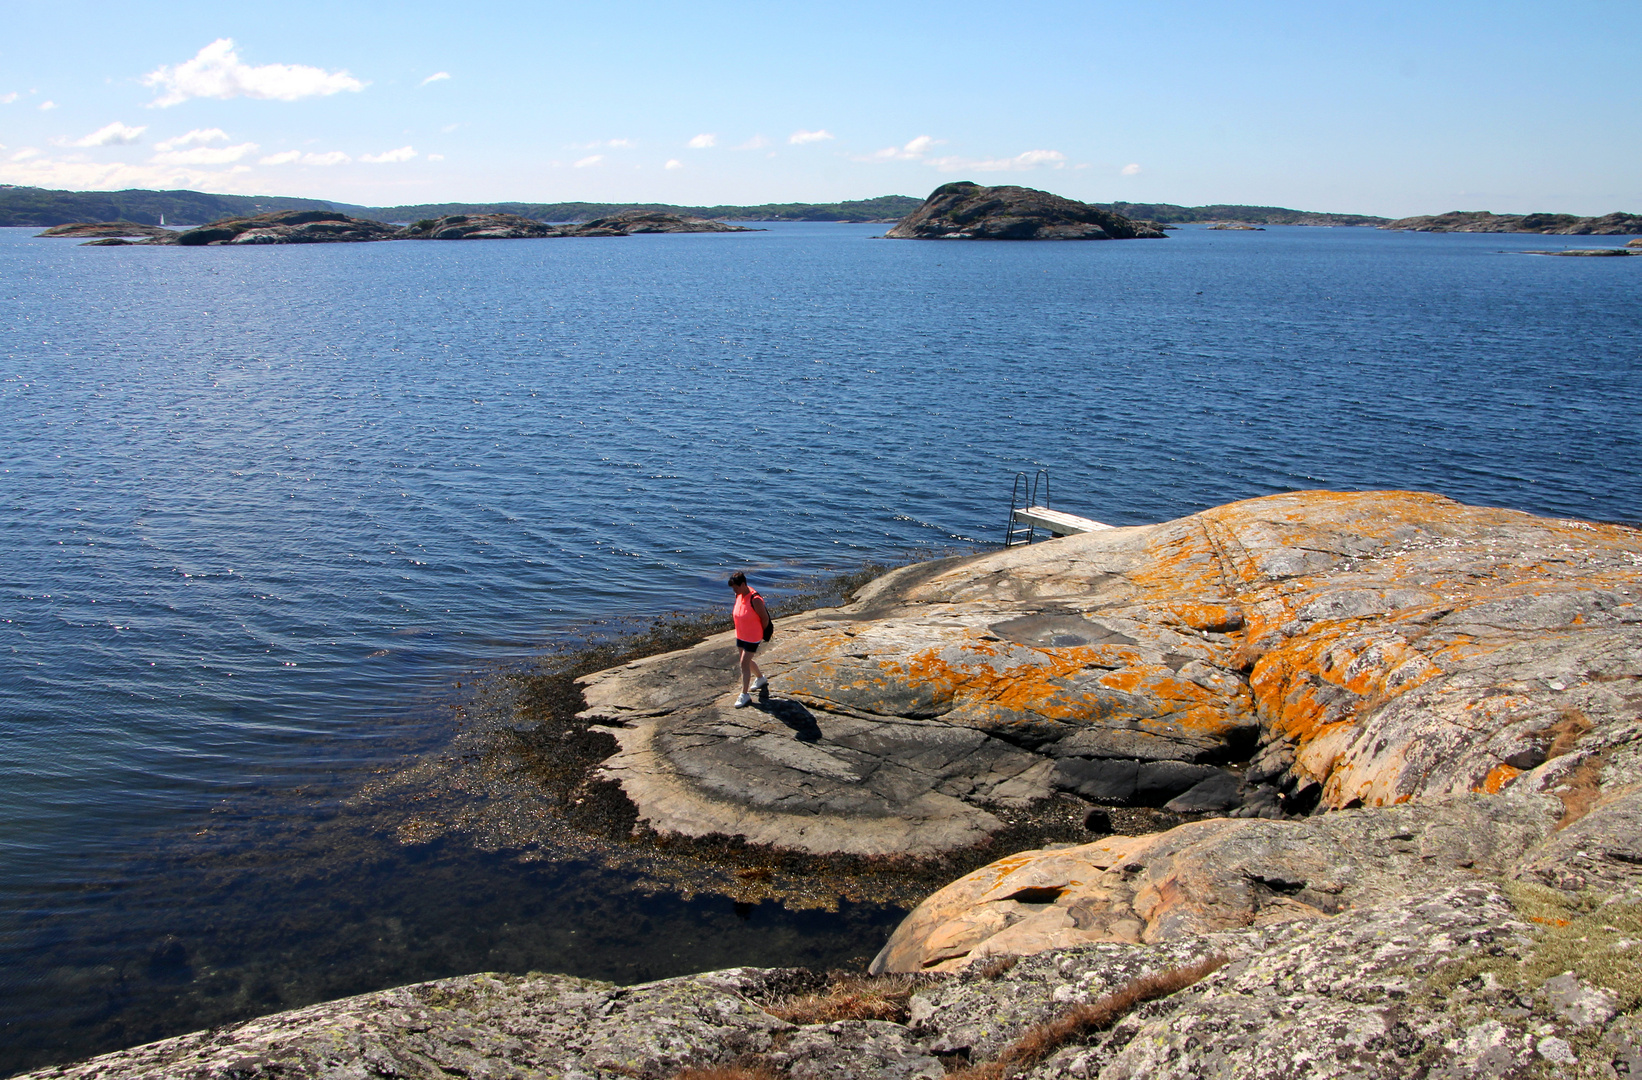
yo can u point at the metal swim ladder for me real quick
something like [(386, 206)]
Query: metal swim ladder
[(1027, 514), (1021, 529)]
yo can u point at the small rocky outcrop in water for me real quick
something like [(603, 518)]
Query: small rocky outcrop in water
[(1483, 221), (479, 227), (280, 227), (967, 211), (514, 227), (82, 230), (655, 221), (1599, 252)]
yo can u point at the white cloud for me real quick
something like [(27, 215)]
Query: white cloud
[(674, 163), (193, 138), (1130, 169), (912, 151), (115, 134), (436, 157), (217, 72), (800, 137), (757, 142), (448, 128), (205, 155), (82, 175), (437, 76), (47, 106), (1033, 158), (589, 161), (7, 99), (1025, 162), (293, 157), (25, 153), (614, 144), (702, 142), (388, 157)]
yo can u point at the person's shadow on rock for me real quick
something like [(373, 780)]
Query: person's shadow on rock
[(794, 715)]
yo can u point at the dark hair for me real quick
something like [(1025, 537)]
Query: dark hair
[(737, 578)]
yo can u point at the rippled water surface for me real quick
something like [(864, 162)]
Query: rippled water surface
[(263, 507)]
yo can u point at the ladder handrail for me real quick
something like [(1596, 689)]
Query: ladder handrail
[(1029, 489), (1011, 526)]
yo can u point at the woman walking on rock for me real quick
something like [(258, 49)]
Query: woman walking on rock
[(752, 623)]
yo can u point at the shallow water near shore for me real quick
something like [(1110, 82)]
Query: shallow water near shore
[(266, 508)]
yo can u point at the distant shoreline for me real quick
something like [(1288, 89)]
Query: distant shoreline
[(31, 207)]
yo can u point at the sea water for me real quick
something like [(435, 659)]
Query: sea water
[(264, 507)]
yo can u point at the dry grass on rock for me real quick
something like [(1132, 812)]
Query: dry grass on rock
[(756, 1071), (1044, 1039), (849, 996)]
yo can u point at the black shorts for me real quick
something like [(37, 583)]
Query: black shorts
[(748, 646)]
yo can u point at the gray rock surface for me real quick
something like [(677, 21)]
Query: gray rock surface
[(968, 211), (1457, 982), (1214, 875)]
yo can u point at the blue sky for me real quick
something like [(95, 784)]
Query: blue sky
[(1392, 108)]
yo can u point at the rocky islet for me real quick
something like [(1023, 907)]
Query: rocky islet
[(331, 227), (967, 211), (1483, 221)]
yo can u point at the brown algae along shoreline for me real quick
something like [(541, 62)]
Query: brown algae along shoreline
[(521, 776)]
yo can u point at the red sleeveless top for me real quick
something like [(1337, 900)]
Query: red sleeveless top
[(748, 626)]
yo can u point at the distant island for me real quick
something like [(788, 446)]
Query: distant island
[(965, 210), (1481, 221), (43, 207), (335, 227), (1232, 213), (884, 208)]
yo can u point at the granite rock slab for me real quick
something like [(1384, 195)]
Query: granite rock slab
[(1341, 649)]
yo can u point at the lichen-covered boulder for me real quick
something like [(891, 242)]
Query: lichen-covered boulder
[(1214, 875)]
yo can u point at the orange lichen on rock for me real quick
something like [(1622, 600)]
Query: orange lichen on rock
[(969, 672), (1498, 777), (1201, 615)]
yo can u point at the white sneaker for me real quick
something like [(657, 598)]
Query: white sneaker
[(760, 683), (743, 701)]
